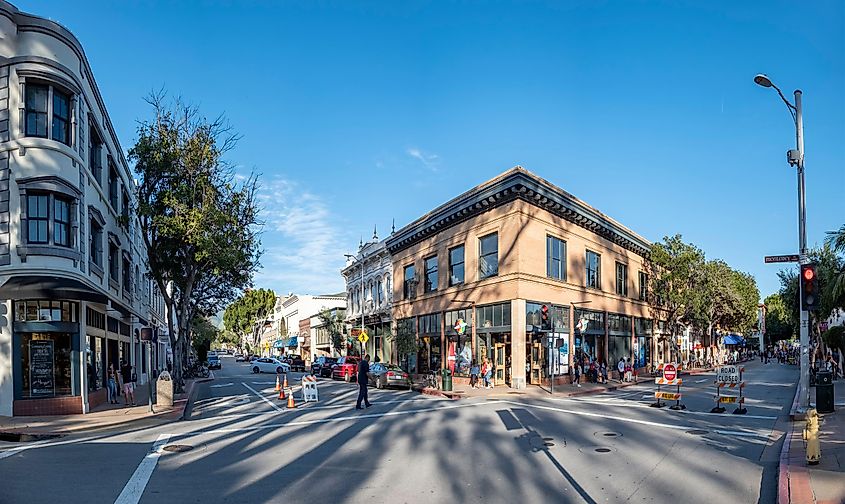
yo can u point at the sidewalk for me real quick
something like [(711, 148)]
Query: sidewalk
[(824, 483), (104, 417), (566, 390)]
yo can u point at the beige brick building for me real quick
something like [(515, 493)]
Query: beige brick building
[(493, 256)]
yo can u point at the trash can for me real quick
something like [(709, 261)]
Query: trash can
[(824, 392), (447, 381), (164, 389)]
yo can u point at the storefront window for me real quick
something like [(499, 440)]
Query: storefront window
[(497, 315), (45, 311), (46, 364), (560, 318), (429, 356), (459, 333), (532, 314)]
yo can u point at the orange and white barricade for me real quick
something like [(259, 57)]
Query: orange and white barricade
[(309, 389)]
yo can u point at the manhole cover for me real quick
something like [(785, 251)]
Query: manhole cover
[(603, 450), (697, 432), (18, 437), (548, 444), (177, 448)]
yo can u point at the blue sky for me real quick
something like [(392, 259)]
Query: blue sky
[(356, 114)]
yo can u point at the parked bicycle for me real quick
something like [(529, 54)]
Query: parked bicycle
[(195, 370)]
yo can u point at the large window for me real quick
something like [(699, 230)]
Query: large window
[(488, 256), (46, 365), (46, 311), (555, 258), (96, 249), (430, 274), (61, 222), (36, 110), (621, 279), (410, 287), (127, 274), (497, 315), (643, 286), (61, 117), (124, 208), (593, 270), (37, 218), (113, 187), (114, 262), (95, 154), (456, 265)]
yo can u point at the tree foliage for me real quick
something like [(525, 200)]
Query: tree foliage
[(203, 334), (199, 226), (829, 268), (242, 314), (333, 324), (778, 320)]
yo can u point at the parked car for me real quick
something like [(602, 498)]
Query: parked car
[(322, 366), (269, 365), (214, 362), (239, 357), (346, 368), (384, 375), (297, 363)]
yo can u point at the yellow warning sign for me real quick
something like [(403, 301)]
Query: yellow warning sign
[(363, 338), (727, 399), (669, 396)]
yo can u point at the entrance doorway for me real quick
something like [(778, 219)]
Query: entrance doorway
[(497, 348), (537, 362)]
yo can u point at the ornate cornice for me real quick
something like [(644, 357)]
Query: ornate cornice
[(517, 183)]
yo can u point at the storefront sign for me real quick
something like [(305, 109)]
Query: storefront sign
[(41, 370)]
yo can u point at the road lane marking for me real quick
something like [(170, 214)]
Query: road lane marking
[(332, 420), (701, 381), (307, 407), (134, 488), (268, 401), (222, 385)]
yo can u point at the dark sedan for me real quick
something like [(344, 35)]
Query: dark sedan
[(384, 375), (322, 366)]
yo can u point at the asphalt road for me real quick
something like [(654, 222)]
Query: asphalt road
[(246, 446)]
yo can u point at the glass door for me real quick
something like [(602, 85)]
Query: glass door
[(499, 377)]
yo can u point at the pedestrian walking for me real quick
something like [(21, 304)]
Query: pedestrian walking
[(128, 382), (473, 374), (577, 367), (111, 383), (620, 366), (629, 370), (603, 371), (363, 379), (487, 373)]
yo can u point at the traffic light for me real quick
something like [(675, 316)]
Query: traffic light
[(545, 322), (809, 287)]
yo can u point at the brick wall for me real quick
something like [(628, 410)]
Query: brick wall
[(48, 406), (97, 398)]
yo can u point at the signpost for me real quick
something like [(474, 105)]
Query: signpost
[(362, 337), (670, 377), (781, 258)]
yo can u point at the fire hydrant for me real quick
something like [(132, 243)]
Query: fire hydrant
[(811, 438)]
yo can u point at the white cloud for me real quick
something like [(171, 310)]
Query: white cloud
[(301, 241), (429, 160)]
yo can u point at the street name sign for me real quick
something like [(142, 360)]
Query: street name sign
[(781, 258), (669, 372), (727, 374)]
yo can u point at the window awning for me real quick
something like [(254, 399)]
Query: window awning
[(50, 287), (278, 344), (733, 339), (292, 341)]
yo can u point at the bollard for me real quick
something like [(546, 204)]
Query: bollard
[(811, 438)]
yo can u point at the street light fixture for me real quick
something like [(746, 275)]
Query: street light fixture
[(354, 260), (795, 157)]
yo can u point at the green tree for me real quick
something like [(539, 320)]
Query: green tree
[(778, 322), (745, 299), (203, 334), (333, 324), (242, 314), (404, 338), (675, 271), (713, 297), (835, 338), (200, 228), (836, 241)]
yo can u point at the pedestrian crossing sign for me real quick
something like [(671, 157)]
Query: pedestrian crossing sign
[(363, 338)]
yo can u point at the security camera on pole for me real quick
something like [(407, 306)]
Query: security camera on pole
[(795, 157)]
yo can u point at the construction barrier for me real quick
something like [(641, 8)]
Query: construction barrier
[(729, 377), (670, 378), (309, 388)]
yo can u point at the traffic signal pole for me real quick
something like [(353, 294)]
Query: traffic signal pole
[(804, 329)]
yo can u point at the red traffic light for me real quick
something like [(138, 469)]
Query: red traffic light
[(809, 273), (544, 309)]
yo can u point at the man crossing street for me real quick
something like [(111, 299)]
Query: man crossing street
[(363, 372)]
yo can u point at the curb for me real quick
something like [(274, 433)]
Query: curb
[(783, 469)]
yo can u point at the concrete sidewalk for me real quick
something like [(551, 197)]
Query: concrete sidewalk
[(824, 483), (105, 416)]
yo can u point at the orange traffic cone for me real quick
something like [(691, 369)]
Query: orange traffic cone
[(281, 394), (277, 383), (286, 381), (291, 404)]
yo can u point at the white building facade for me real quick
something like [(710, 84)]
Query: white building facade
[(73, 289), (294, 319), (374, 301)]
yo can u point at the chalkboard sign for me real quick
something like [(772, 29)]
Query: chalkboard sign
[(41, 370)]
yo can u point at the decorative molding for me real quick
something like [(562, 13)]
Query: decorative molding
[(516, 184)]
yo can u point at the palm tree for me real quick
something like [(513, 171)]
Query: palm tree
[(836, 240)]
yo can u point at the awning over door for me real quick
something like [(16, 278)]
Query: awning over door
[(49, 287)]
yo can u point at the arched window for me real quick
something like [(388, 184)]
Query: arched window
[(380, 295)]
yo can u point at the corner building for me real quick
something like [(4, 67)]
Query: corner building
[(73, 284), (493, 256)]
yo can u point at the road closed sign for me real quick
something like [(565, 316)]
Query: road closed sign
[(727, 374), (670, 372)]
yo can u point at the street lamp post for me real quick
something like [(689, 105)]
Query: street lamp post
[(361, 262), (795, 157)]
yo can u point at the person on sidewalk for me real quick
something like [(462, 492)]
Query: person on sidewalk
[(112, 384), (620, 366), (473, 374), (629, 370), (603, 371), (128, 385), (363, 381), (487, 373), (577, 370)]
